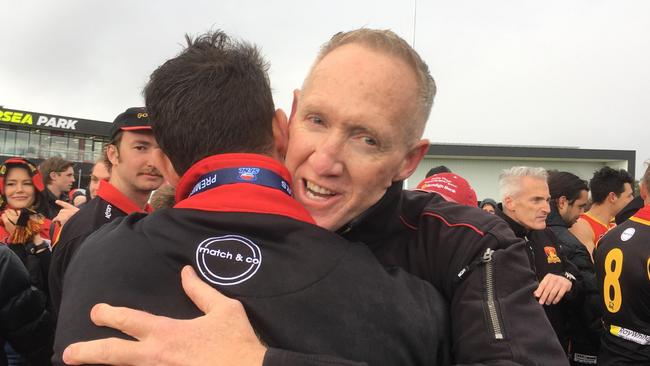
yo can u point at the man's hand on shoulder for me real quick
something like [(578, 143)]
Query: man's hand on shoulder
[(223, 336), (552, 289)]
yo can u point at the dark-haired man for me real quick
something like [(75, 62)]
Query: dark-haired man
[(58, 176), (236, 222), (355, 135), (611, 190), (569, 197), (133, 177)]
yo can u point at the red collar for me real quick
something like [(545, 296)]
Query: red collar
[(239, 197), (643, 213), (112, 195)]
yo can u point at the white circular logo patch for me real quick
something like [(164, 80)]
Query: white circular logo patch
[(228, 260), (627, 234)]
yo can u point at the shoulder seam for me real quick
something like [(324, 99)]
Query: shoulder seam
[(463, 224)]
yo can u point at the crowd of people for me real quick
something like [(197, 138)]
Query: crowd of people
[(217, 230)]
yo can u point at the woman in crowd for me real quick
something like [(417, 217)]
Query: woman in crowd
[(23, 229)]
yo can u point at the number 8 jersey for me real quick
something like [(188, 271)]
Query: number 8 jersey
[(622, 262)]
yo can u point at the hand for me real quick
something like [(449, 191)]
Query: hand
[(223, 336), (9, 218), (552, 289), (67, 210)]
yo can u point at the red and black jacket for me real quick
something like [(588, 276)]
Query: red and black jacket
[(477, 263), (305, 290), (109, 204)]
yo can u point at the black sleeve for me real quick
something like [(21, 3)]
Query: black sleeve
[(278, 357), (590, 311), (61, 255), (100, 271), (24, 319), (38, 266), (576, 296), (495, 318)]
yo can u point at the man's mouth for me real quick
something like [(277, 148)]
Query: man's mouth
[(150, 174), (314, 191)]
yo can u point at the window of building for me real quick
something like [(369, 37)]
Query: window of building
[(10, 143), (22, 143)]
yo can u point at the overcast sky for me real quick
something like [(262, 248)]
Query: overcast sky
[(553, 73)]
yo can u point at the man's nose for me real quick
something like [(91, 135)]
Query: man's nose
[(327, 158)]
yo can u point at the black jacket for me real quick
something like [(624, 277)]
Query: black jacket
[(24, 319), (107, 206), (629, 210), (545, 254), (585, 326), (477, 263), (304, 288)]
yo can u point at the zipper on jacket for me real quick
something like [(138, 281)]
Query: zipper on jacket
[(490, 287)]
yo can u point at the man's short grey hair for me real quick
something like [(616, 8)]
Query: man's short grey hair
[(510, 179), (389, 43)]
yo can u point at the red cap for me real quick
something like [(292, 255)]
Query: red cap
[(451, 186)]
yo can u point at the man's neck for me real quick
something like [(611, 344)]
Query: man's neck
[(54, 189), (601, 213), (511, 217), (138, 197)]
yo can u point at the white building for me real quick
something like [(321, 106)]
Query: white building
[(481, 164)]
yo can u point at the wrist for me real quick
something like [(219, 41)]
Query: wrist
[(33, 248), (569, 276)]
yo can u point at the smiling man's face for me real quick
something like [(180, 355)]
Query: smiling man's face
[(347, 133)]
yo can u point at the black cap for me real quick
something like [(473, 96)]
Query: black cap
[(135, 118)]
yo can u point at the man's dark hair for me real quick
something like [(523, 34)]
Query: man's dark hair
[(214, 97), (565, 184), (608, 180), (437, 170), (54, 164)]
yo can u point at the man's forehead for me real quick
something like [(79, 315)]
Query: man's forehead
[(139, 136), (100, 169)]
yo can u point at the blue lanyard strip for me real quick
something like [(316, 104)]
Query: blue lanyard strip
[(260, 176)]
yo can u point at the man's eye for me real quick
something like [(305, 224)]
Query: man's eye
[(370, 141), (316, 119)]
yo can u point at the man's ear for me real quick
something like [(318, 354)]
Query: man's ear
[(280, 133), (113, 154), (53, 176), (612, 197), (412, 159), (508, 203), (562, 202), (294, 104), (643, 192), (164, 165)]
